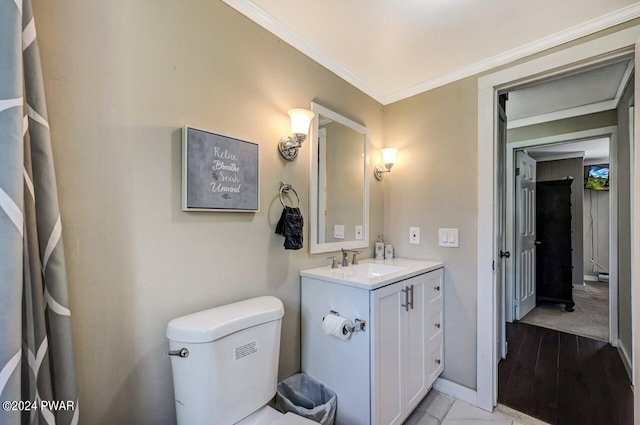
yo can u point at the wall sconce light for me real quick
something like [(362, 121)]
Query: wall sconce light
[(388, 158), (289, 145)]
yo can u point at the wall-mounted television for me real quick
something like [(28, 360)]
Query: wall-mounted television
[(597, 177)]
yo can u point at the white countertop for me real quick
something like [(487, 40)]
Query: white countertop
[(372, 274)]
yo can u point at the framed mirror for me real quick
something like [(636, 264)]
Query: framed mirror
[(338, 183)]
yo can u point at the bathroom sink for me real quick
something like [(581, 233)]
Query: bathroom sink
[(370, 270), (375, 270), (372, 274)]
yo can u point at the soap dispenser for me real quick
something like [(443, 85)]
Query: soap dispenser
[(379, 249)]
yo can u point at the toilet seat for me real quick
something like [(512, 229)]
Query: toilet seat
[(293, 419)]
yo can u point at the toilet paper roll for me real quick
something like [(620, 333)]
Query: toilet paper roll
[(336, 326)]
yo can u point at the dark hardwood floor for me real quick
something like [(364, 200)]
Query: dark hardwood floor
[(564, 379)]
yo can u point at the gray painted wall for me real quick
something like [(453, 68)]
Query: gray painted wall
[(122, 78), (433, 184), (595, 230), (559, 169), (135, 260)]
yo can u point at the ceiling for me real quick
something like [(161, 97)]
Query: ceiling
[(594, 149), (587, 91), (393, 49), (595, 90)]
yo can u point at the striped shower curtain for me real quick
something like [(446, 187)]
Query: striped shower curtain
[(37, 372)]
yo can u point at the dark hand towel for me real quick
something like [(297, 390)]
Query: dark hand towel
[(290, 225)]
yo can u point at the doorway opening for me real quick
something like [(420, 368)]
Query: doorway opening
[(548, 179), (490, 309), (571, 290), (593, 220)]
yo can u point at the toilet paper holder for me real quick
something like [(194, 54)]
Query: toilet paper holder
[(358, 325)]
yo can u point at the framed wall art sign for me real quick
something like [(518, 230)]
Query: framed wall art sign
[(219, 173)]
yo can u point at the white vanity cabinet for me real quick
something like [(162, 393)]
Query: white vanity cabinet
[(382, 373), (406, 344)]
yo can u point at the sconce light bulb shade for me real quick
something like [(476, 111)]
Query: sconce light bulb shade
[(389, 156), (300, 120)]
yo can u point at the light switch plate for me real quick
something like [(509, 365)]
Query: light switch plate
[(414, 235), (359, 233), (448, 238), (338, 231)]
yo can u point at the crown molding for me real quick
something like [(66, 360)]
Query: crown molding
[(581, 30), (254, 12), (260, 16)]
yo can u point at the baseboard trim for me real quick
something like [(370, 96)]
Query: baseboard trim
[(456, 391), (590, 278), (626, 359), (581, 287)]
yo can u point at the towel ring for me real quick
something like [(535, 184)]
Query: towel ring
[(285, 188)]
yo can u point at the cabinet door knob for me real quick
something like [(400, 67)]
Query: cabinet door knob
[(438, 361), (438, 325), (437, 288)]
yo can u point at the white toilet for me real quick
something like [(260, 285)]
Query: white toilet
[(225, 364)]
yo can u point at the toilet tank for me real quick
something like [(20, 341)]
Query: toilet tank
[(232, 367)]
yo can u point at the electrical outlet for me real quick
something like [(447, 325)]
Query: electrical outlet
[(414, 235), (338, 231), (359, 233)]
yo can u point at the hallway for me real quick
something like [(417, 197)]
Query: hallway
[(564, 379), (590, 318)]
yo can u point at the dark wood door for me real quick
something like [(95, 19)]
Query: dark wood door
[(553, 242)]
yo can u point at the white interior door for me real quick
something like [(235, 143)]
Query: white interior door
[(526, 234), (503, 255)]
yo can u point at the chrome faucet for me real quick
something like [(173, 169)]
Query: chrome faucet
[(354, 259), (345, 260), (334, 261)]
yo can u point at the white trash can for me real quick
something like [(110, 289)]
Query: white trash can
[(306, 397)]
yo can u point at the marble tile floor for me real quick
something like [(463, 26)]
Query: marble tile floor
[(441, 409)]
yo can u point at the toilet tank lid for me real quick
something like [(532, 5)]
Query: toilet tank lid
[(210, 325)]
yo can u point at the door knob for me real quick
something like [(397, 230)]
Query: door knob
[(537, 243), (505, 254)]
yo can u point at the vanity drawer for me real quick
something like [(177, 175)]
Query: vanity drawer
[(435, 359), (435, 322), (435, 286)]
